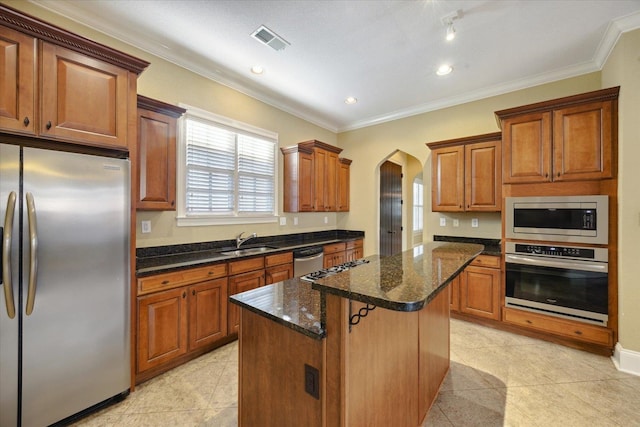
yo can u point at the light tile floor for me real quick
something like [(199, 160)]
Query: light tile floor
[(496, 379)]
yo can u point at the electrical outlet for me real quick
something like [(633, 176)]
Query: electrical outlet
[(326, 220), (474, 222), (146, 226), (456, 223), (443, 222), (295, 220), (283, 220)]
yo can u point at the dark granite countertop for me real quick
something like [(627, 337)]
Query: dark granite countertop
[(491, 246), (162, 259), (406, 281), (292, 303), (403, 282)]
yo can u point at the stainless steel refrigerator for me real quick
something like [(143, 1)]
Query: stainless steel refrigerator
[(64, 298)]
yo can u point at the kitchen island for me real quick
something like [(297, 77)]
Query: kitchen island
[(368, 346)]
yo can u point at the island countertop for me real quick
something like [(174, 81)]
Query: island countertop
[(403, 282)]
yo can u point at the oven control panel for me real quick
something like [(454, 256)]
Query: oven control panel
[(558, 251)]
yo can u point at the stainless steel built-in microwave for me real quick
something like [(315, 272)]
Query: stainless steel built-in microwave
[(578, 219)]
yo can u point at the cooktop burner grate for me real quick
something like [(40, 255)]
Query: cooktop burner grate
[(333, 270)]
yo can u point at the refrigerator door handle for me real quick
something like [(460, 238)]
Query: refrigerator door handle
[(6, 255), (33, 253)]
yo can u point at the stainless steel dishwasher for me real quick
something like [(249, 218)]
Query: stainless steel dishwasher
[(307, 260)]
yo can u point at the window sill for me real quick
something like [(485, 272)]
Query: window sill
[(186, 221)]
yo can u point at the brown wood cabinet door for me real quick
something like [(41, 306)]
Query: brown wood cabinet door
[(480, 292), (162, 328), (207, 312), (483, 181), (241, 283), (343, 186), (278, 273), (447, 178), (18, 85), (331, 182), (156, 161), (83, 99), (306, 191), (582, 138), (526, 148), (319, 173)]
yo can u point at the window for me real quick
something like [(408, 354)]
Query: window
[(418, 204), (226, 170)]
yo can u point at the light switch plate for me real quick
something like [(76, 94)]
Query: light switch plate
[(456, 223), (295, 220), (443, 222), (474, 222), (283, 220), (146, 226)]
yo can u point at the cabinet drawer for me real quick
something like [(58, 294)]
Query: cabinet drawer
[(333, 248), (562, 327), (486, 261), (278, 259), (245, 265), (180, 278), (354, 244)]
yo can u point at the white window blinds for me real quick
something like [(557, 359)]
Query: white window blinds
[(228, 172)]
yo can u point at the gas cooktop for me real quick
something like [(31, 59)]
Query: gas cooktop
[(333, 270)]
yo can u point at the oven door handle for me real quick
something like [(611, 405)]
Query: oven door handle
[(598, 267)]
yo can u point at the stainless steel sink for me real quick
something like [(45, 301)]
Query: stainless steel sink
[(248, 251)]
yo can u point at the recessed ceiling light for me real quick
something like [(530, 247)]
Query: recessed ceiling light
[(444, 69), (257, 69), (350, 100)]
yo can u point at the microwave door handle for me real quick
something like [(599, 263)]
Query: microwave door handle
[(6, 255), (566, 264)]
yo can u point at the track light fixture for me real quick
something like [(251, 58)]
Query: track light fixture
[(447, 20)]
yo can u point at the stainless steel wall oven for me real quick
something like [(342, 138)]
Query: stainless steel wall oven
[(563, 281)]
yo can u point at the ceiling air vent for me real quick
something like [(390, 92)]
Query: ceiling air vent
[(268, 37)]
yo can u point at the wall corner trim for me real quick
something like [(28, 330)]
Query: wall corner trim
[(626, 360)]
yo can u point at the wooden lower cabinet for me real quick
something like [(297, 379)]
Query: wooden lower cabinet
[(561, 327), (207, 313), (242, 283), (354, 250), (334, 254), (278, 273), (162, 328), (476, 291)]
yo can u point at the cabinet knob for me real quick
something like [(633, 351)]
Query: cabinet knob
[(558, 174), (26, 121), (173, 202), (48, 126), (184, 294), (546, 175), (165, 282), (193, 292)]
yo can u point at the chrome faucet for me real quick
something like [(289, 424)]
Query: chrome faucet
[(240, 240)]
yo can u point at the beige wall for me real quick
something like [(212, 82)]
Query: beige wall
[(623, 69)]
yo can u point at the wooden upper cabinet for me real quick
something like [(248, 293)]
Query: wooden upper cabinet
[(466, 174), (156, 172), (447, 179), (19, 83), (344, 182), (75, 90), (483, 176), (527, 148), (566, 139), (314, 178)]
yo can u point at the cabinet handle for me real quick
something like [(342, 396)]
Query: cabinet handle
[(184, 294), (558, 174), (48, 125), (26, 121), (165, 282), (529, 322), (546, 175), (578, 332), (173, 202), (193, 292)]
